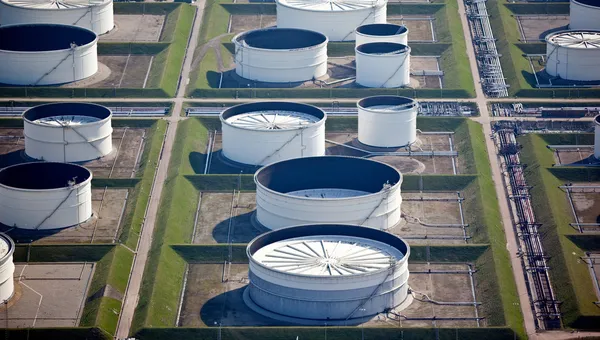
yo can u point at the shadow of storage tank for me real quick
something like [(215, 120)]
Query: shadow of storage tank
[(312, 274)]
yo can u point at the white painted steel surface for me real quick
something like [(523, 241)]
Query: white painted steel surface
[(30, 200), (267, 132), (597, 137), (280, 55), (387, 121), (57, 65), (277, 208), (68, 132), (573, 55), (95, 15), (584, 15), (381, 33), (327, 277), (337, 19), (382, 65), (7, 267)]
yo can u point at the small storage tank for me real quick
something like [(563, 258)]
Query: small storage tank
[(267, 132), (67, 132), (573, 55), (331, 273), (46, 54), (328, 189), (584, 15), (597, 137), (381, 33), (383, 65), (337, 19), (387, 121), (7, 268), (42, 195), (280, 55), (95, 15)]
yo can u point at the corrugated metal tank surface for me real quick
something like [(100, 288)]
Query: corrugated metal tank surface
[(381, 33), (280, 55), (337, 19), (68, 132), (383, 65), (48, 57), (387, 121), (95, 15), (327, 272), (597, 137), (328, 189), (584, 14), (573, 55), (7, 267), (266, 132), (31, 201)]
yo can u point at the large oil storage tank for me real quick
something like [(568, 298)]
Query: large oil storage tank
[(327, 273), (584, 14), (67, 132), (45, 195), (46, 54), (573, 55), (597, 137), (95, 15), (387, 121), (383, 65), (280, 55), (7, 268), (267, 132), (337, 19), (328, 189), (381, 33)]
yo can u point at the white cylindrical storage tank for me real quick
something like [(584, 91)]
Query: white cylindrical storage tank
[(266, 132), (280, 55), (7, 268), (43, 195), (67, 132), (328, 189), (584, 15), (381, 33), (332, 273), (387, 121), (95, 15), (573, 55), (46, 54), (383, 65), (337, 19), (597, 137)]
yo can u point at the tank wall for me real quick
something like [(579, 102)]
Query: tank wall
[(281, 66), (364, 39), (383, 71), (336, 25), (70, 144), (18, 68), (7, 269), (583, 16), (99, 19), (261, 147), (27, 209), (379, 211), (387, 129), (573, 64), (597, 139)]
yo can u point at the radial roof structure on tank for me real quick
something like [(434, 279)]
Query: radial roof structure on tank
[(272, 120), (5, 246), (54, 4), (328, 255), (66, 120), (332, 5), (575, 39)]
